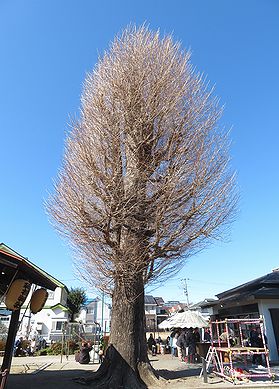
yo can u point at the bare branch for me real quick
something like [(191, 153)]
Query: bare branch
[(146, 180)]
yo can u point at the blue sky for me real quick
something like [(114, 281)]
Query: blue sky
[(46, 49)]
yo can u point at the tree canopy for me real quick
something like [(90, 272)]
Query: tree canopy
[(146, 180), (75, 300)]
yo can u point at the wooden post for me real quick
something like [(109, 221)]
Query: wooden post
[(62, 342), (204, 371), (94, 344), (9, 349)]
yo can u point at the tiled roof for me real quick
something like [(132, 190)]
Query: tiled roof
[(159, 300), (267, 281), (202, 303), (148, 299)]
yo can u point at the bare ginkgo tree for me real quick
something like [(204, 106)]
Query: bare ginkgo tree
[(145, 183)]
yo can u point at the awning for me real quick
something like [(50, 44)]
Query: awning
[(185, 319)]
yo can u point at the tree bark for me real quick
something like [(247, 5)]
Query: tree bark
[(128, 322), (126, 363)]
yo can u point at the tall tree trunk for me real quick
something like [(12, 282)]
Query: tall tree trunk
[(128, 322), (126, 362)]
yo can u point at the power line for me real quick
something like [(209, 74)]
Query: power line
[(199, 281)]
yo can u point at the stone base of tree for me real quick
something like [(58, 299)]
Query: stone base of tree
[(115, 373)]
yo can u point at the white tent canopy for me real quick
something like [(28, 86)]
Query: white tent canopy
[(184, 319)]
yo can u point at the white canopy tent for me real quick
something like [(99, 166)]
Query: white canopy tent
[(184, 319)]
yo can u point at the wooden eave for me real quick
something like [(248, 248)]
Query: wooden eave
[(27, 270)]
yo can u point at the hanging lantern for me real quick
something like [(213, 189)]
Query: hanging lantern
[(17, 294), (38, 300)]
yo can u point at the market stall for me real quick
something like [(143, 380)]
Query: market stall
[(233, 356)]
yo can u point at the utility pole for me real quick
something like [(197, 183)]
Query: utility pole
[(102, 319), (185, 288)]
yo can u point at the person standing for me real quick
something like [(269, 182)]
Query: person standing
[(191, 344), (168, 345), (173, 347), (33, 346), (197, 335), (207, 336), (19, 347), (261, 343), (254, 343), (151, 343), (181, 346)]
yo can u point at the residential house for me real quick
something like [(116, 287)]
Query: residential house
[(96, 312), (203, 308), (161, 310), (50, 321), (172, 303), (155, 312), (150, 307)]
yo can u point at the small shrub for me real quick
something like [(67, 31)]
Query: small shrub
[(55, 348), (73, 347), (43, 351)]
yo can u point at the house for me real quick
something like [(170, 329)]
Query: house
[(161, 310), (259, 297), (96, 312), (172, 303), (48, 323), (203, 308), (155, 312), (150, 306)]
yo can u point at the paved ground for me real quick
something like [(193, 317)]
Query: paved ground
[(47, 372)]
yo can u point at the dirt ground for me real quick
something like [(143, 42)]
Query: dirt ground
[(47, 372)]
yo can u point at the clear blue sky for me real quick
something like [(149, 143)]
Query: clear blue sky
[(46, 49)]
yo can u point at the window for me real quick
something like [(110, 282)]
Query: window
[(50, 294), (4, 319), (59, 325)]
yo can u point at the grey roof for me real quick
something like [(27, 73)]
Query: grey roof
[(270, 280), (203, 303), (272, 293), (246, 297), (159, 300), (172, 303), (148, 299)]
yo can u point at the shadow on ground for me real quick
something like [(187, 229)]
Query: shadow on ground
[(174, 374), (63, 379), (47, 380)]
